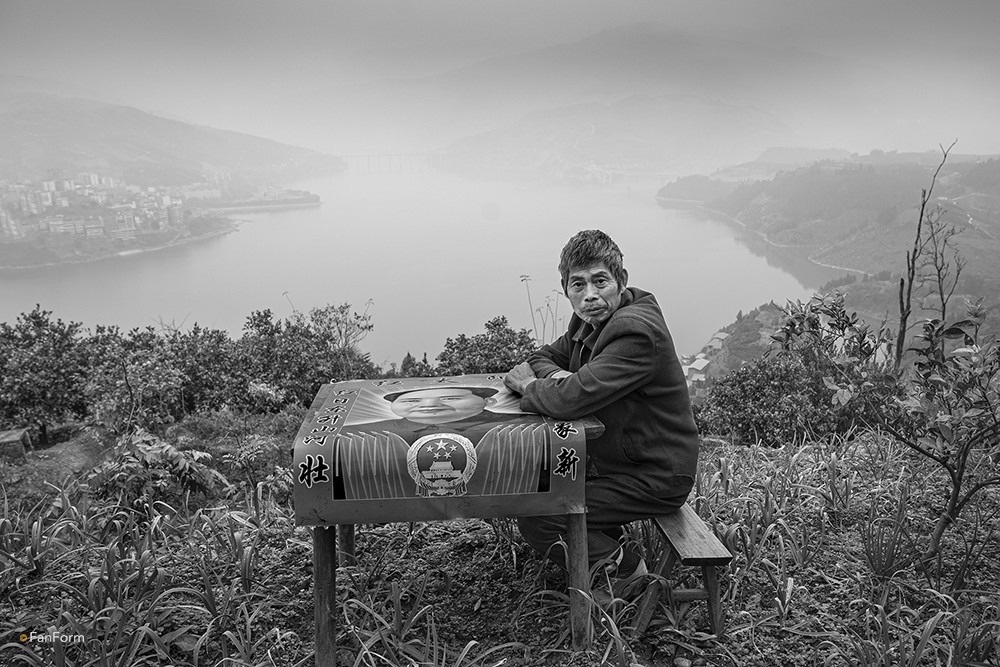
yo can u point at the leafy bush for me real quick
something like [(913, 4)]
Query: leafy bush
[(206, 360), (135, 381), (51, 371), (145, 468), (42, 371), (497, 350), (295, 356), (771, 401)]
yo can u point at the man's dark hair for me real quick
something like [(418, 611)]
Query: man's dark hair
[(481, 392), (590, 247)]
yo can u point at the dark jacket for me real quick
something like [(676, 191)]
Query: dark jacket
[(626, 373)]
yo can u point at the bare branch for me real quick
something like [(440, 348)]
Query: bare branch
[(901, 438), (995, 481), (913, 260)]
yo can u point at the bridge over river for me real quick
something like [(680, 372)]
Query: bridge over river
[(385, 163)]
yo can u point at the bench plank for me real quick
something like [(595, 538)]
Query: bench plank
[(694, 542)]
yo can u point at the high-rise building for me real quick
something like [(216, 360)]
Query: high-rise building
[(124, 217), (9, 229), (175, 215)]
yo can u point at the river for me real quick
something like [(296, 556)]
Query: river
[(433, 255)]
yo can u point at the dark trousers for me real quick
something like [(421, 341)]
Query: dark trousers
[(611, 503)]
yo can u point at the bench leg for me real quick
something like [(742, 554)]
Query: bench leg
[(647, 607), (655, 590), (716, 619), (325, 595), (579, 582)]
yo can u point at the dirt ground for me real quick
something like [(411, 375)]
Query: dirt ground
[(73, 452)]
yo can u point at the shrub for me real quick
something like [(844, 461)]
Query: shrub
[(497, 350), (135, 381), (286, 361), (42, 371), (772, 401), (145, 468)]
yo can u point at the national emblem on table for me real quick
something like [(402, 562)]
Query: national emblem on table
[(441, 464)]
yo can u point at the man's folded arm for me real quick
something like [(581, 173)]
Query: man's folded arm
[(624, 365), (552, 357)]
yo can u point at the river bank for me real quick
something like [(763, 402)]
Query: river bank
[(262, 207), (232, 226), (801, 251)]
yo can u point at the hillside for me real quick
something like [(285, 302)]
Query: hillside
[(46, 136), (861, 215)]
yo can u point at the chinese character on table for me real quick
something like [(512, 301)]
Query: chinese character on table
[(313, 470), (568, 460), (563, 429)]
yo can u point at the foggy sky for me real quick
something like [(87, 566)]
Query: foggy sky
[(211, 61)]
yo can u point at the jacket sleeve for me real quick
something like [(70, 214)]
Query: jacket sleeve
[(624, 364), (552, 357)]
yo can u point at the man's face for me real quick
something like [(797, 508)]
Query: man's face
[(438, 406), (594, 293)]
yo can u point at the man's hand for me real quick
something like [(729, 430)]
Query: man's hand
[(519, 377)]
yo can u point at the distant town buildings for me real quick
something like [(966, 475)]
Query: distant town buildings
[(696, 368), (92, 205)]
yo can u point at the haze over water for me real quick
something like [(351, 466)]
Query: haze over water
[(437, 254)]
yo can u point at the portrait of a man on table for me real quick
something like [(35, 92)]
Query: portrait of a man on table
[(443, 408), (616, 361)]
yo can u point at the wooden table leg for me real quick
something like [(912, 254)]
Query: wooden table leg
[(325, 594), (579, 581), (345, 535)]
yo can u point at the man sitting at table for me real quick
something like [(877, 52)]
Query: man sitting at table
[(617, 362)]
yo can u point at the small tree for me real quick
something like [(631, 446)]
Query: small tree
[(296, 356), (337, 331), (411, 368), (950, 409), (135, 381), (206, 358), (497, 350), (950, 413), (42, 370)]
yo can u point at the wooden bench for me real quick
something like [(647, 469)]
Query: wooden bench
[(690, 542)]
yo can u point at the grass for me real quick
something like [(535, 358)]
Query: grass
[(823, 535)]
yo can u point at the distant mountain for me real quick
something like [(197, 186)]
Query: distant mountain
[(810, 94), (638, 135), (46, 136)]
